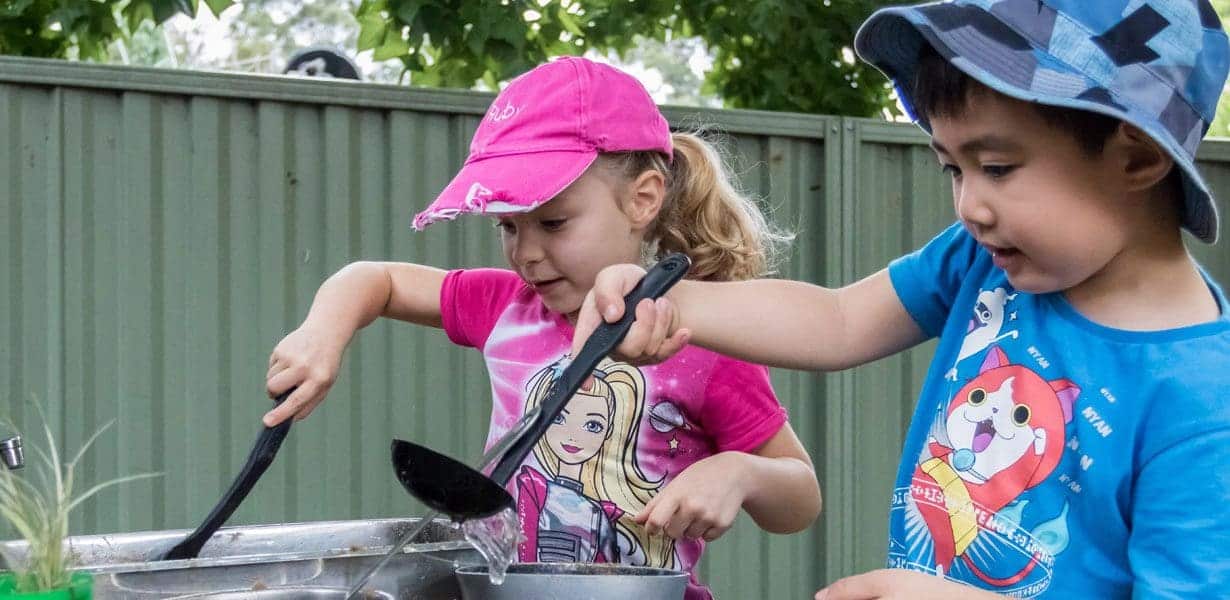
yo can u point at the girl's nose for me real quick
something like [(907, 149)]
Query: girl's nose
[(527, 249)]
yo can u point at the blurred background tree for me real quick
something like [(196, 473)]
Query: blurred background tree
[(766, 54), (1221, 124), (83, 29), (761, 54)]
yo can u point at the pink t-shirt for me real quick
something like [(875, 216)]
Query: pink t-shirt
[(615, 445)]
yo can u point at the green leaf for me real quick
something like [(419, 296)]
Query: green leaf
[(568, 22), (408, 12), (165, 9), (217, 6), (372, 29), (512, 31), (392, 46), (369, 7), (14, 8)]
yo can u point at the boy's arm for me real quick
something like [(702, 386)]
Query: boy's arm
[(310, 357), (899, 584), (773, 322)]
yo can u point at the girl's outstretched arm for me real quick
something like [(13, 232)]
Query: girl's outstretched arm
[(311, 356), (776, 485), (773, 322)]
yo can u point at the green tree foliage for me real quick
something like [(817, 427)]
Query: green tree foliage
[(82, 28), (768, 54), (1221, 124), (267, 32)]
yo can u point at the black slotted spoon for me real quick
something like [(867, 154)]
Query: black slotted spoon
[(259, 459), (461, 492)]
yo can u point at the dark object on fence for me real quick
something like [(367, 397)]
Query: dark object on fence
[(321, 61)]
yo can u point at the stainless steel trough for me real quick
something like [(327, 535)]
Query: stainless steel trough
[(258, 557)]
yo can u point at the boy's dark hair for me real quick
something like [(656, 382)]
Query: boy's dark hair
[(942, 90)]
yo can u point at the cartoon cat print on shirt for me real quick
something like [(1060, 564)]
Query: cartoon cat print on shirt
[(1002, 433), (990, 311)]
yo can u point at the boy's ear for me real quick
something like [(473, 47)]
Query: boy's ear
[(1143, 162), (645, 196)]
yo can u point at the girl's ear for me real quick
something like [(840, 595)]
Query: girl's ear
[(1142, 162), (645, 196)]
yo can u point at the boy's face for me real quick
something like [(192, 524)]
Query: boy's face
[(1052, 216)]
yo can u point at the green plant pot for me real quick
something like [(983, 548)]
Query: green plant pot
[(80, 587)]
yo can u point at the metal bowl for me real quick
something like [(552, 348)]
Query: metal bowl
[(569, 581), (287, 593)]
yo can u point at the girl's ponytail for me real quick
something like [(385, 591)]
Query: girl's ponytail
[(705, 216)]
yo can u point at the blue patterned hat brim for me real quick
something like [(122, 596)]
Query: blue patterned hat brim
[(1022, 68)]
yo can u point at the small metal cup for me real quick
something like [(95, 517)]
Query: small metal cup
[(10, 451)]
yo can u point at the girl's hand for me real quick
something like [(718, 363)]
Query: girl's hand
[(310, 358), (702, 502), (900, 584), (653, 338)]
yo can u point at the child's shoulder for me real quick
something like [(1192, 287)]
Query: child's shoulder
[(712, 373), (492, 285)]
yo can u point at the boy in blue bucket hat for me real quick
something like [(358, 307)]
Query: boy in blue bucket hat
[(1072, 438)]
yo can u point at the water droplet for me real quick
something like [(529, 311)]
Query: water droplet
[(496, 538)]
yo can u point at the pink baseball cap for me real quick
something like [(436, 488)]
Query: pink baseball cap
[(543, 131)]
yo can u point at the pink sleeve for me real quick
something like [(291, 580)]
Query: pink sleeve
[(472, 300), (741, 412)]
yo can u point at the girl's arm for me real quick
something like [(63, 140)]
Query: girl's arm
[(774, 322), (783, 495), (776, 485), (311, 356)]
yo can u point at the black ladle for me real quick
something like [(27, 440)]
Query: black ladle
[(259, 459), (461, 492)]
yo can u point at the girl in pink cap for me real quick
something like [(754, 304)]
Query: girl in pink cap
[(647, 464)]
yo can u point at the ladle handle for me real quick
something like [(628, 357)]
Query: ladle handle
[(605, 338), (259, 459)]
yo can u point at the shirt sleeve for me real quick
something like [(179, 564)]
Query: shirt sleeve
[(1180, 521), (740, 412), (472, 300), (928, 279)]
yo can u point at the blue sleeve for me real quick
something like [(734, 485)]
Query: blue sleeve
[(1181, 520), (928, 279)]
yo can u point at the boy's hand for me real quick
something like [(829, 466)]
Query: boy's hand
[(900, 584), (702, 502), (310, 359), (653, 338)]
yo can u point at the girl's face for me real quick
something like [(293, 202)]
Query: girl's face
[(559, 247), (580, 429)]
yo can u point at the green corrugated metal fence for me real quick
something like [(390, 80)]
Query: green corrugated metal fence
[(160, 231)]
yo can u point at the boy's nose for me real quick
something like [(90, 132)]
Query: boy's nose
[(971, 209)]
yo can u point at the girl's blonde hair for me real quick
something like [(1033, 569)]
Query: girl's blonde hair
[(704, 214), (623, 482)]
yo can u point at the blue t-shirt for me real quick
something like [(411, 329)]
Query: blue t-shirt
[(1050, 455)]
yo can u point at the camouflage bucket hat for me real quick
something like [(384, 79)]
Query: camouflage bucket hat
[(1157, 64)]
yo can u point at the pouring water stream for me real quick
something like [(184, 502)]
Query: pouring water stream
[(497, 560)]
